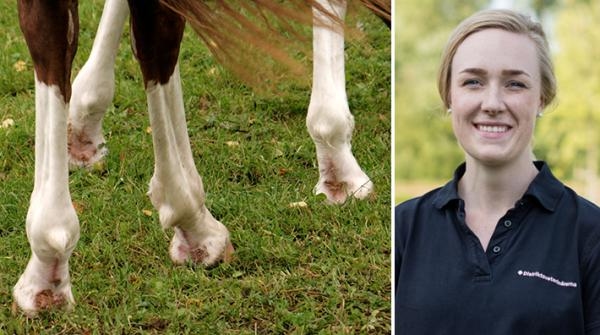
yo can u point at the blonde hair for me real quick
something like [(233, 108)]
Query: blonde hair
[(507, 20)]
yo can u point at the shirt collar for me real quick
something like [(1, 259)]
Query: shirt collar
[(545, 188), (449, 192)]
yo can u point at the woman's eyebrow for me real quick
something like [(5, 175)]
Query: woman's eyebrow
[(515, 73), (507, 72), (474, 70)]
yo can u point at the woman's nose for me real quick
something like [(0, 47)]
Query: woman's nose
[(493, 101)]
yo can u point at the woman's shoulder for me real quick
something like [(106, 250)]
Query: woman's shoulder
[(587, 223), (412, 206), (588, 212), (412, 215)]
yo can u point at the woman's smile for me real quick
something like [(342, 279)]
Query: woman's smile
[(492, 130)]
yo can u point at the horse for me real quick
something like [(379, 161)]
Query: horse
[(69, 124)]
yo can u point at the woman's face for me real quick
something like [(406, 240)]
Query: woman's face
[(495, 94)]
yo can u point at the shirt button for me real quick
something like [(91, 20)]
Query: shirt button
[(496, 249), (507, 223)]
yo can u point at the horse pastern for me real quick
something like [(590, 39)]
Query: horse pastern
[(83, 151), (47, 299), (183, 252), (334, 191), (199, 255)]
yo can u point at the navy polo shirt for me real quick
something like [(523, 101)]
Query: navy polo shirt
[(539, 275)]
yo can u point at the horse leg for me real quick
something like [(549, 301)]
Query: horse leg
[(176, 189), (94, 88), (51, 29), (329, 121)]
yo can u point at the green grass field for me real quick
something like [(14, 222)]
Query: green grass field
[(320, 269)]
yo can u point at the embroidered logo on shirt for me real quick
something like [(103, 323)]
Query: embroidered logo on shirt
[(546, 278)]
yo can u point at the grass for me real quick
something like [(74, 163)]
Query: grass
[(319, 269)]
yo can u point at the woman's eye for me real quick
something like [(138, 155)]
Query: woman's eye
[(471, 83), (516, 85)]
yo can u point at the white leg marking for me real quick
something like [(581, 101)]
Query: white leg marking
[(94, 87), (52, 224), (329, 120), (176, 188)]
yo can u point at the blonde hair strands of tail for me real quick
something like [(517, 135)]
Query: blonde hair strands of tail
[(262, 41)]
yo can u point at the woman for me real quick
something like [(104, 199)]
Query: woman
[(503, 248)]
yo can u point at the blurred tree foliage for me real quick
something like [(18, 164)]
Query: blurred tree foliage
[(425, 145), (568, 136)]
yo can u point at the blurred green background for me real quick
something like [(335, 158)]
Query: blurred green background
[(426, 152)]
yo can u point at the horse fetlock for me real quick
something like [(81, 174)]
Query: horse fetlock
[(330, 124)]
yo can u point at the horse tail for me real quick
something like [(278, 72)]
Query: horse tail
[(262, 41), (381, 8)]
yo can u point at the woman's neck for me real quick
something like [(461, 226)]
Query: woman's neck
[(495, 188)]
